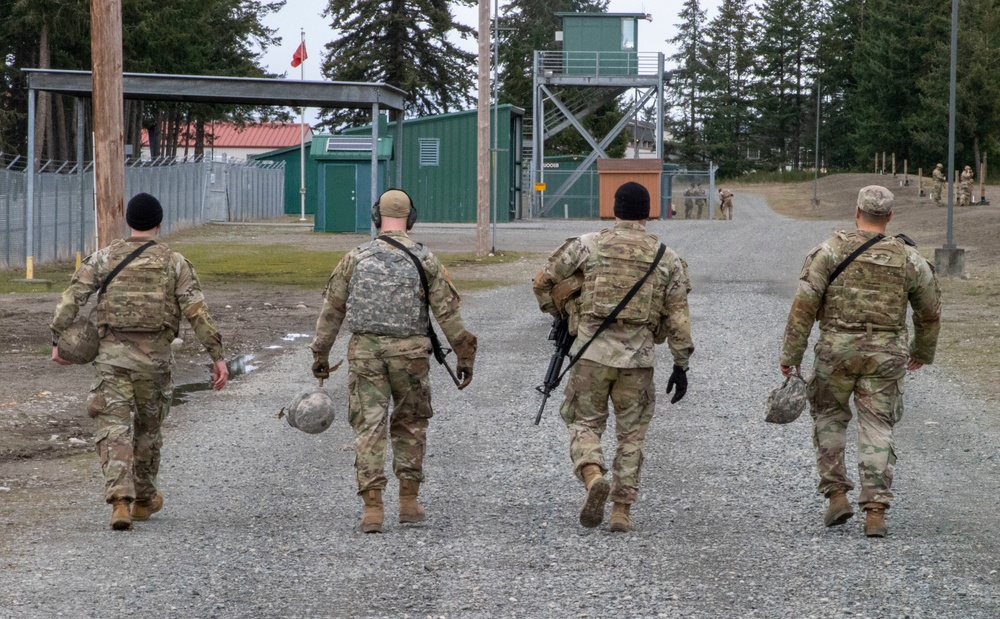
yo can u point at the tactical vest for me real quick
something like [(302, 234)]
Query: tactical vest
[(384, 294), (619, 260), (871, 291), (140, 298)]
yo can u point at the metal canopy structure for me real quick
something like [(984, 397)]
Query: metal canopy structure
[(234, 90), (215, 89)]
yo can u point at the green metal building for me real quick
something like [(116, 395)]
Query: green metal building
[(291, 157), (439, 163), (600, 44)]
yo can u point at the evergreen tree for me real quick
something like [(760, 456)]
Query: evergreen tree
[(839, 30), (726, 98), (403, 43), (688, 79)]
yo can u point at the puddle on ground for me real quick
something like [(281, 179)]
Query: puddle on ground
[(237, 367)]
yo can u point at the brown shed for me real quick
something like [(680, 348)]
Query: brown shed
[(613, 173)]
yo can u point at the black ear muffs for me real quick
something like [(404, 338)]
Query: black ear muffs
[(411, 217)]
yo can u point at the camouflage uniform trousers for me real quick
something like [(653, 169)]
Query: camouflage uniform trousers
[(129, 408), (965, 194), (936, 193), (874, 374), (585, 411), (372, 382)]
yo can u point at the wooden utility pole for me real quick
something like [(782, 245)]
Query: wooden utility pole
[(109, 135), (483, 150)]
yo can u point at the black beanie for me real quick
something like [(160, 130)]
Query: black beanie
[(143, 212), (632, 202)]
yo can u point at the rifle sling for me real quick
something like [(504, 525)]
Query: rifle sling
[(610, 318), (423, 284), (857, 252)]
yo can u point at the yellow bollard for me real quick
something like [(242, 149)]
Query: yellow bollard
[(29, 268), (79, 260)]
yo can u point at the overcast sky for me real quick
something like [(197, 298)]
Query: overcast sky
[(299, 15)]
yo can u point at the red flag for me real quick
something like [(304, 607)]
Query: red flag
[(300, 54)]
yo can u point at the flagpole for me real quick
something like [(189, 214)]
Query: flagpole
[(302, 137)]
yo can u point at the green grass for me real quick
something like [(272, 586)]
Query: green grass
[(262, 264), (58, 273)]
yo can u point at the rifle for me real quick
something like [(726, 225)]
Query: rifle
[(560, 336), (440, 353)]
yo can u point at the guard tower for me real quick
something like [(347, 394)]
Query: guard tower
[(600, 54)]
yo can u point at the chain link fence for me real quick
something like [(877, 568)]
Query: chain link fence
[(692, 194), (192, 192)]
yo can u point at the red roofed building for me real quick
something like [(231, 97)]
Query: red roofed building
[(234, 142)]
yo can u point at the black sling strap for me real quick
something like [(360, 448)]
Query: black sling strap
[(610, 318), (439, 352), (857, 252), (124, 263)]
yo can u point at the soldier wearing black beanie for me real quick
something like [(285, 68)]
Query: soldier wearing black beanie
[(632, 202), (143, 212)]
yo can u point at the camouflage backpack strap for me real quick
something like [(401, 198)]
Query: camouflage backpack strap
[(610, 318), (857, 252), (124, 263)]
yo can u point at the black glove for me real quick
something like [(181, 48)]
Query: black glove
[(678, 378), (464, 373), (321, 368)]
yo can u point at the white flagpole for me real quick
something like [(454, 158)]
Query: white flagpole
[(302, 140)]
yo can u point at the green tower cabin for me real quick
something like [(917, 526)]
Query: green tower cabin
[(600, 43), (599, 62)]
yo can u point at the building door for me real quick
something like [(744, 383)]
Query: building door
[(341, 189)]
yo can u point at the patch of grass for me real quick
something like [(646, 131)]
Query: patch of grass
[(469, 259), (265, 264), (467, 285), (58, 273), (970, 330)]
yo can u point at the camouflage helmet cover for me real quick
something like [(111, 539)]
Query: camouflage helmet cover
[(787, 402), (939, 165), (80, 342), (311, 411), (876, 200)]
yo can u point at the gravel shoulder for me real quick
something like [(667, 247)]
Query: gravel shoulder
[(260, 519)]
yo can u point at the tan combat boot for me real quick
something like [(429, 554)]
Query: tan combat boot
[(409, 509), (875, 520), (620, 520), (839, 511), (592, 513), (142, 510), (121, 520), (371, 522)]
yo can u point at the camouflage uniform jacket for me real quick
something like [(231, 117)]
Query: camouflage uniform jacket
[(920, 288), (726, 198), (625, 344), (142, 351), (444, 303), (938, 176)]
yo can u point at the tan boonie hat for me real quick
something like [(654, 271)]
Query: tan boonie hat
[(787, 402), (875, 199), (394, 203)]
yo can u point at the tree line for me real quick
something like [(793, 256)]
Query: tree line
[(745, 83)]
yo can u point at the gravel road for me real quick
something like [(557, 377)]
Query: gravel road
[(260, 520)]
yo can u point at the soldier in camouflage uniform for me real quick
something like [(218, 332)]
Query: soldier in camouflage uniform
[(619, 363), (701, 201), (726, 204), (939, 182), (376, 288), (863, 349), (689, 201), (138, 316), (965, 187)]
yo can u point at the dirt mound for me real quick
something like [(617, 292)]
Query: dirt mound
[(975, 228)]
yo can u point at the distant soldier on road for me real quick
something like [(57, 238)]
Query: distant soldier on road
[(689, 194), (701, 201), (617, 361), (939, 182), (138, 316), (966, 187), (857, 285), (726, 204), (377, 289)]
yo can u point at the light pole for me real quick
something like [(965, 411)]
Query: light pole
[(819, 91), (950, 260)]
